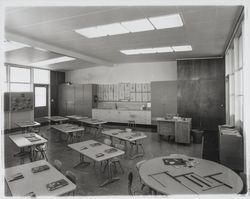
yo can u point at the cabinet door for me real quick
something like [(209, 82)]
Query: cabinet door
[(111, 92), (166, 128), (121, 91), (116, 94), (138, 88), (182, 132)]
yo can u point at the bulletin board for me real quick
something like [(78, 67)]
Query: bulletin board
[(134, 92), (18, 101)]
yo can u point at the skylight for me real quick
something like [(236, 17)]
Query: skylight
[(12, 45), (166, 49), (168, 21), (182, 48), (52, 61), (139, 25)]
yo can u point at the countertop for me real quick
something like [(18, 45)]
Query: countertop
[(121, 109)]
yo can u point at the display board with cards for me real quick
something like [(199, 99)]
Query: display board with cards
[(134, 92)]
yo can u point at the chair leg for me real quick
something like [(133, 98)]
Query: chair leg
[(121, 166)]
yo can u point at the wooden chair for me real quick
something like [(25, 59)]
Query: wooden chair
[(72, 177), (41, 150), (138, 165), (58, 165)]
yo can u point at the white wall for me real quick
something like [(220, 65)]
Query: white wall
[(132, 73)]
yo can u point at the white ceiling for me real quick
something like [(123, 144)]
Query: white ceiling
[(206, 28)]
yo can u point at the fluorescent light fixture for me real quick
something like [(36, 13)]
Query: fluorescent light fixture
[(41, 49), (52, 61), (113, 29), (168, 21), (147, 50), (12, 45), (91, 32), (164, 49), (138, 25), (131, 52), (182, 48)]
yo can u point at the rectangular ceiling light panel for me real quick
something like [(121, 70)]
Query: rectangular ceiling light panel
[(113, 29), (52, 61), (138, 25), (12, 45), (182, 48), (168, 21), (166, 49), (91, 32)]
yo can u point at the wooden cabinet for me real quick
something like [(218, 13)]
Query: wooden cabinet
[(180, 129), (166, 128), (231, 148), (122, 116), (77, 99)]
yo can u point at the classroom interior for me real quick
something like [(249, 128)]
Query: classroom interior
[(124, 100)]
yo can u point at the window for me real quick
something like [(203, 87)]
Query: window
[(234, 83), (40, 97), (5, 74), (21, 75), (41, 76), (16, 87)]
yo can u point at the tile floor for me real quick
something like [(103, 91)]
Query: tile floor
[(89, 178)]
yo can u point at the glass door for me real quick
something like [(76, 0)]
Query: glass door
[(41, 100)]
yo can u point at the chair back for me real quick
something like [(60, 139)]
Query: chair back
[(58, 165), (130, 182), (71, 176), (120, 146), (107, 141)]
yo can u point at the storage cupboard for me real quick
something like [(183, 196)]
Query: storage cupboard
[(77, 99)]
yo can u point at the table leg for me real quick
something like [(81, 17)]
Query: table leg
[(110, 177), (82, 162)]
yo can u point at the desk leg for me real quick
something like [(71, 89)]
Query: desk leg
[(82, 162), (110, 177), (137, 154)]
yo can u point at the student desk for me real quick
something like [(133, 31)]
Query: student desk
[(93, 123), (36, 182), (22, 141), (56, 119), (91, 149), (27, 126), (197, 176), (69, 130), (130, 137)]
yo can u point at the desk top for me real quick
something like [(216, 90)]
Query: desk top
[(27, 139), (36, 182), (93, 148), (196, 176), (92, 121), (161, 119), (56, 118), (25, 124), (76, 117), (67, 128), (124, 135)]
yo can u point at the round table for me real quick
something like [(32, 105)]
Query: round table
[(188, 175)]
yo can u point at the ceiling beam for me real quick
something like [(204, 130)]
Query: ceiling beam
[(55, 49)]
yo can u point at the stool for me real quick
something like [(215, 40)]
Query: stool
[(131, 124)]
